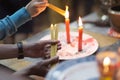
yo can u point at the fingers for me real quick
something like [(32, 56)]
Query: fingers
[(58, 45), (51, 61), (47, 55), (41, 3), (52, 42)]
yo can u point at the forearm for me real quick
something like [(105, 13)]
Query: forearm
[(8, 51), (23, 74), (6, 74), (10, 24)]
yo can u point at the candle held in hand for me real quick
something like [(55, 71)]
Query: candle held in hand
[(54, 36), (67, 23), (80, 31)]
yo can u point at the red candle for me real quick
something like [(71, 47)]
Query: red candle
[(80, 31), (67, 23)]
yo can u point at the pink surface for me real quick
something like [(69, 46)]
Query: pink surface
[(70, 51), (113, 33)]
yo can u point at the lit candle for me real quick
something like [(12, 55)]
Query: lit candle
[(52, 31), (106, 64), (80, 31), (67, 23), (107, 70)]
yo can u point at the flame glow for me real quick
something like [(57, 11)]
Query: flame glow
[(80, 21), (66, 12)]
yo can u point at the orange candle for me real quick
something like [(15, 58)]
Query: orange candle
[(80, 31), (67, 23)]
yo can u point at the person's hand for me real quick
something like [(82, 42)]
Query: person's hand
[(40, 49), (35, 7), (41, 68)]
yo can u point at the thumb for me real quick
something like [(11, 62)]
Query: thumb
[(52, 42)]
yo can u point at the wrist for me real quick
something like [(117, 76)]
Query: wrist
[(20, 50)]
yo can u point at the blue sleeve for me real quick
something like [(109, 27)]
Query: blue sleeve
[(10, 24)]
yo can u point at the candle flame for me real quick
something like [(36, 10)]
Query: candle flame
[(51, 25), (106, 64), (106, 61), (66, 12), (80, 21)]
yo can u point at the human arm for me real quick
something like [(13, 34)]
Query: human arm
[(34, 49), (40, 68), (10, 24)]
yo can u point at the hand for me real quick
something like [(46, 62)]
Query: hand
[(35, 7), (41, 68), (39, 49)]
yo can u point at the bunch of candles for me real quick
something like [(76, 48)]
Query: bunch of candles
[(54, 36), (80, 30), (67, 23)]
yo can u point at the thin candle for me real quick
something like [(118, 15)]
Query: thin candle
[(56, 32), (52, 38), (80, 35), (56, 9), (52, 31), (56, 36), (67, 23)]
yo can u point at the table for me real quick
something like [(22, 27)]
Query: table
[(99, 33)]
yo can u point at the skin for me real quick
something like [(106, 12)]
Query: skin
[(41, 69), (35, 7), (34, 50)]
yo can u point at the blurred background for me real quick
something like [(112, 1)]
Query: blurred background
[(43, 21)]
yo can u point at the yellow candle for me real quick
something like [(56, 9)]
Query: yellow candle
[(54, 36), (52, 31), (67, 23), (56, 32)]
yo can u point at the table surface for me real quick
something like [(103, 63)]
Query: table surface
[(98, 32)]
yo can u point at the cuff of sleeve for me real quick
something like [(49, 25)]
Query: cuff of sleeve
[(20, 17)]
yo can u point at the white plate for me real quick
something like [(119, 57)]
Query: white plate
[(70, 51), (77, 69)]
